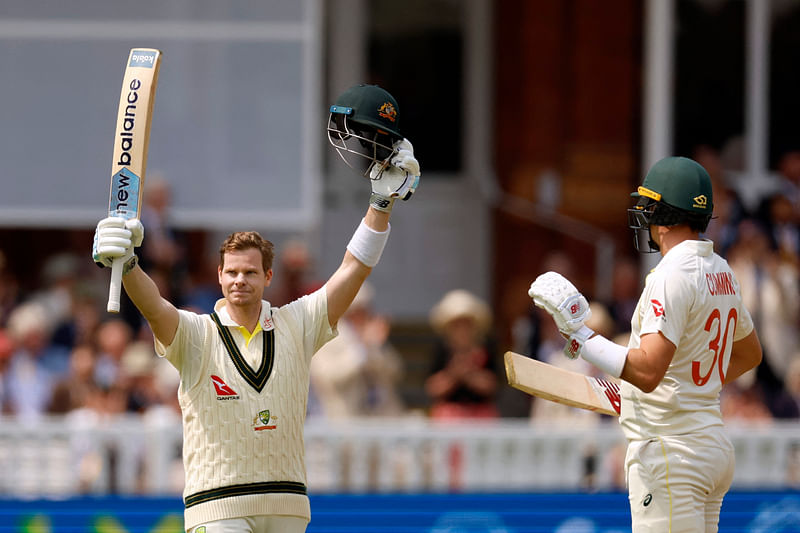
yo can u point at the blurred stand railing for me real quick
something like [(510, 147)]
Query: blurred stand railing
[(61, 457)]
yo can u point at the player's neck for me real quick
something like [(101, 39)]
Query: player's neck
[(669, 237), (245, 315)]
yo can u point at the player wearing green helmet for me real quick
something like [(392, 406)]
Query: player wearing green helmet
[(690, 335), (677, 190)]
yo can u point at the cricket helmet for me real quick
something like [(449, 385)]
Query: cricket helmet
[(363, 126), (676, 190)]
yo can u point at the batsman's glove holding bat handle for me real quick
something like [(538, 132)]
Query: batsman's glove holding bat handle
[(116, 237), (558, 296), (397, 179), (568, 307)]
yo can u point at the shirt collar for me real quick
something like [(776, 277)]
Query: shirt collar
[(702, 248), (265, 321)]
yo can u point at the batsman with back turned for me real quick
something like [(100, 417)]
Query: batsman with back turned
[(690, 335), (244, 368)]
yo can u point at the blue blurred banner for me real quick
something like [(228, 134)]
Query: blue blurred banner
[(753, 512)]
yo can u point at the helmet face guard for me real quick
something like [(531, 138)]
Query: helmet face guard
[(639, 219), (362, 147)]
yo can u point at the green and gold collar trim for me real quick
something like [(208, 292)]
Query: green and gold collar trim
[(256, 378)]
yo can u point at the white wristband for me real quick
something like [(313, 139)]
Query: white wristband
[(367, 244), (606, 355)]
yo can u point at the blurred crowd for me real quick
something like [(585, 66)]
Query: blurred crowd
[(61, 353)]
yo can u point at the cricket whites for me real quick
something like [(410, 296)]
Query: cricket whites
[(130, 147)]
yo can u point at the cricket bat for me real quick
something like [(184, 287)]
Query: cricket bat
[(562, 386), (130, 147)]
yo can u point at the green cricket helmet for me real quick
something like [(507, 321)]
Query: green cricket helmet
[(676, 190), (364, 123)]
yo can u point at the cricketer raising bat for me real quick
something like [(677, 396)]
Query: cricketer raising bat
[(562, 386), (130, 147)]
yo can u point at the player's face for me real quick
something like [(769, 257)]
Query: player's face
[(242, 277)]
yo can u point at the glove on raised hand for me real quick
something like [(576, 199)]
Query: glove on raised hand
[(558, 296), (397, 180), (116, 237)]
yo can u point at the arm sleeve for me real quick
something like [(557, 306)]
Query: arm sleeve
[(668, 299), (186, 351)]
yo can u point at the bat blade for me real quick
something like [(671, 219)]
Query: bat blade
[(562, 386), (131, 139)]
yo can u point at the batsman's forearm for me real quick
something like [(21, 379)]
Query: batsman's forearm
[(160, 314), (376, 220)]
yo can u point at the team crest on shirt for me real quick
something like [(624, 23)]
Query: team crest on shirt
[(658, 309), (264, 420)]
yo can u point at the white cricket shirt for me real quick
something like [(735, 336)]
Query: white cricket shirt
[(694, 300), (244, 411)]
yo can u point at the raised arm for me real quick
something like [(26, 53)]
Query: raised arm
[(363, 128), (116, 238), (348, 278)]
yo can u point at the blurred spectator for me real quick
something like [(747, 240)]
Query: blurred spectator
[(80, 326), (465, 375), (113, 338), (770, 286), (729, 209), (9, 290), (358, 372), (162, 253), (789, 172), (72, 391), (793, 386), (6, 351), (625, 291), (59, 278), (743, 403), (137, 376), (35, 364), (296, 274), (162, 250), (781, 223)]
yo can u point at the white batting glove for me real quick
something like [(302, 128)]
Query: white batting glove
[(558, 296), (116, 237), (397, 180)]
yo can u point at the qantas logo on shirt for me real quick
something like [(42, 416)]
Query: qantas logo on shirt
[(658, 309), (224, 392)]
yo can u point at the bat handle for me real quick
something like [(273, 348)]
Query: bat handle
[(115, 286)]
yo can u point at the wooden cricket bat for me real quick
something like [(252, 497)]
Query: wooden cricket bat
[(562, 386), (130, 147)]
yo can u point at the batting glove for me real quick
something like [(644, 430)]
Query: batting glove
[(558, 296), (115, 238), (399, 179)]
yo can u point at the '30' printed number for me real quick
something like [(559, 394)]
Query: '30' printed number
[(714, 326)]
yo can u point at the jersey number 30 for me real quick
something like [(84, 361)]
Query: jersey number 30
[(714, 321)]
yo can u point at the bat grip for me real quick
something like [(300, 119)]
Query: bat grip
[(115, 286)]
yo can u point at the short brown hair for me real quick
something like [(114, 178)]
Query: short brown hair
[(244, 240)]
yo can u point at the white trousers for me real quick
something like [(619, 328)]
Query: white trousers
[(676, 484), (254, 524)]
